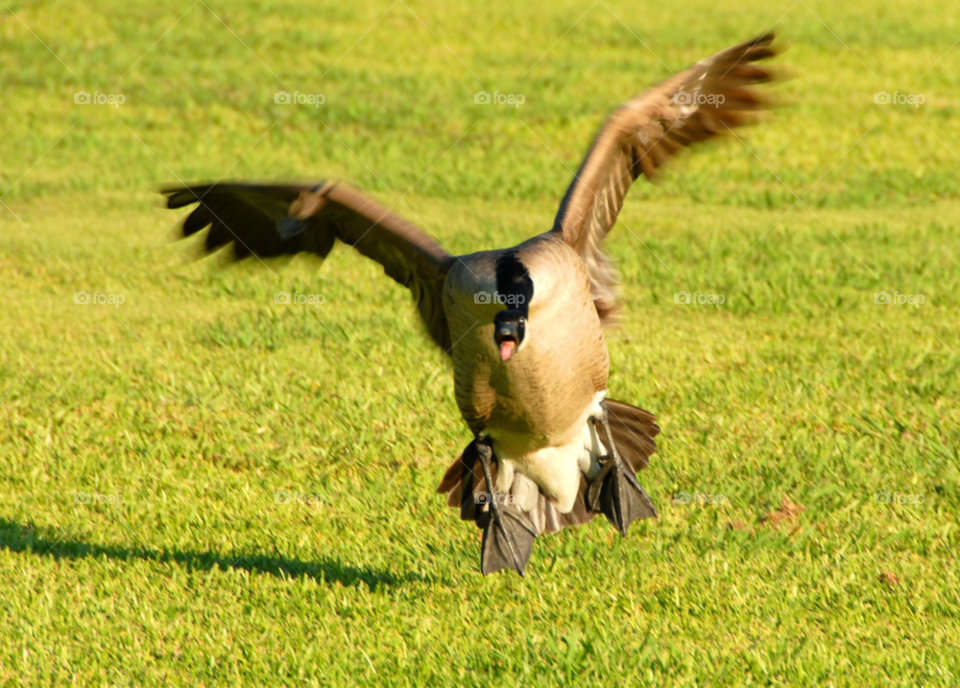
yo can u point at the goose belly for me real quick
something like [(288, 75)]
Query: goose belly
[(556, 468), (539, 398), (537, 408)]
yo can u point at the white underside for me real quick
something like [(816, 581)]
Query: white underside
[(556, 470)]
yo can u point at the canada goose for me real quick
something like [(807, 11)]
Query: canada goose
[(522, 325)]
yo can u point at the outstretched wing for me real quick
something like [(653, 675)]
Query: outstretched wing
[(642, 135), (275, 220)]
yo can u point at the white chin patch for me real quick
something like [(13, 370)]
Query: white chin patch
[(526, 336)]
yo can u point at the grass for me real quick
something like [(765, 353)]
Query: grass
[(800, 400)]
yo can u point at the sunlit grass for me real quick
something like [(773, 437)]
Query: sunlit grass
[(801, 400)]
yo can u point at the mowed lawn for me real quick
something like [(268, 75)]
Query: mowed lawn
[(807, 478)]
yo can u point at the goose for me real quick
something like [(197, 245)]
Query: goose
[(524, 325)]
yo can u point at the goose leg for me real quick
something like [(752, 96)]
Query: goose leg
[(507, 536), (615, 491)]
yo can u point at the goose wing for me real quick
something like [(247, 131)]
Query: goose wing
[(273, 220), (642, 135)]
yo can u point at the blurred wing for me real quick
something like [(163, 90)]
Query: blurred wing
[(275, 220), (642, 135)]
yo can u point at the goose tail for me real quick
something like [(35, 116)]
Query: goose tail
[(633, 431), (467, 490)]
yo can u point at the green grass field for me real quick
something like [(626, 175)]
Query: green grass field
[(827, 423)]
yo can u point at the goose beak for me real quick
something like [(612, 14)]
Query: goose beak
[(507, 338), (509, 329)]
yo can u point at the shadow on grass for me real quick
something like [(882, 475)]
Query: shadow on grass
[(43, 542)]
